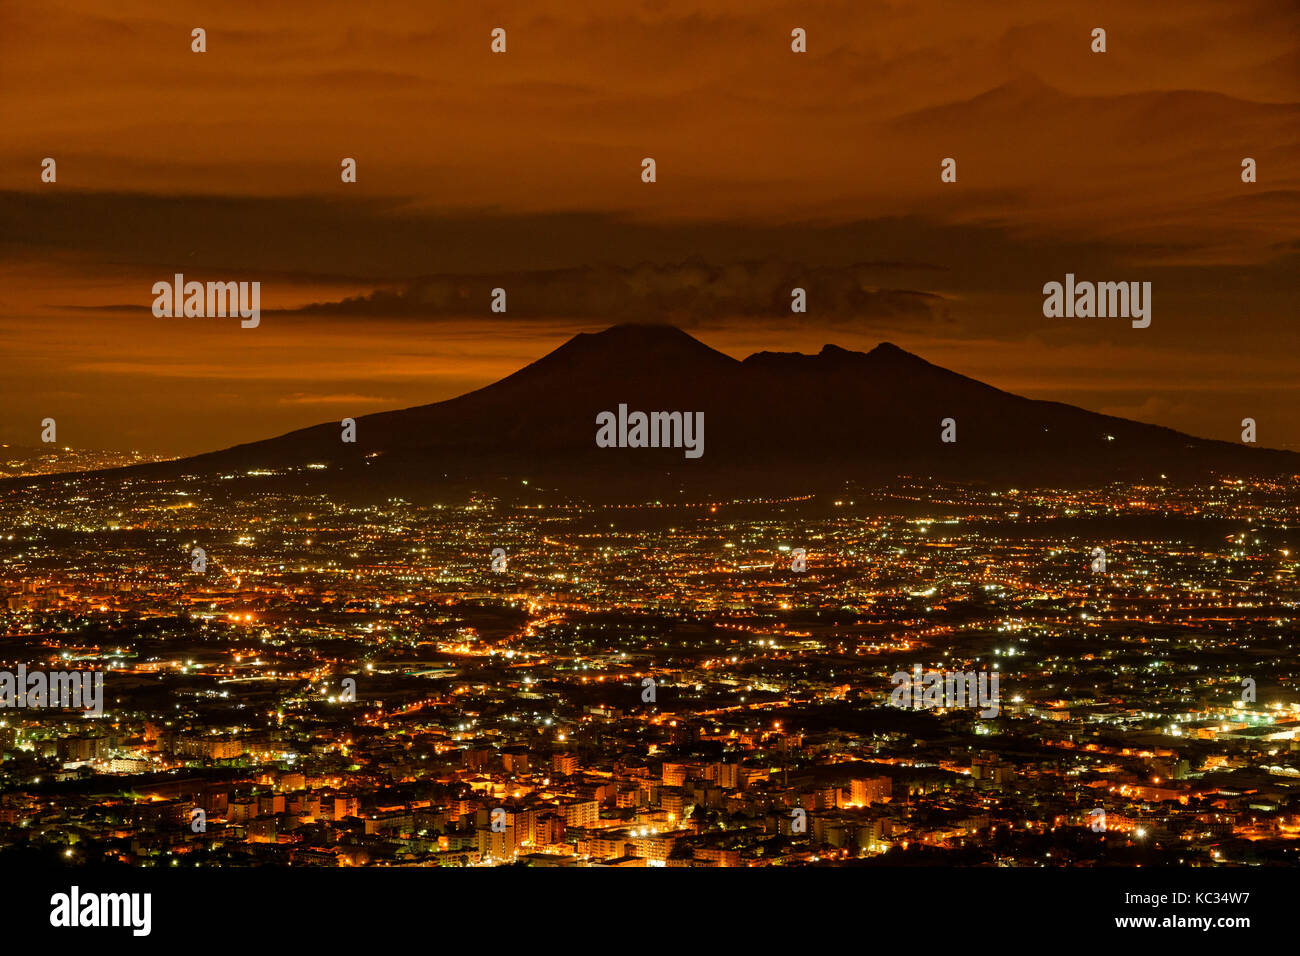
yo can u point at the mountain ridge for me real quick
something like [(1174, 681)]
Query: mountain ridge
[(774, 422)]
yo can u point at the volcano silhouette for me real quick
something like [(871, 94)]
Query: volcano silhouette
[(775, 423)]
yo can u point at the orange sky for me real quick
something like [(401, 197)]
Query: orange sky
[(522, 170)]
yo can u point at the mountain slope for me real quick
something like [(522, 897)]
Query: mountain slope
[(774, 423)]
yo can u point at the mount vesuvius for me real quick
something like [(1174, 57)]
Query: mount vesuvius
[(775, 423)]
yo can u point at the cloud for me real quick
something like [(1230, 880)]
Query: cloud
[(305, 398), (682, 293)]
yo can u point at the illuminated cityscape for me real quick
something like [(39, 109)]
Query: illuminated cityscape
[(349, 685)]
